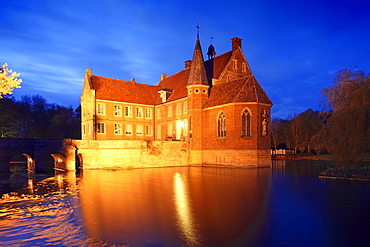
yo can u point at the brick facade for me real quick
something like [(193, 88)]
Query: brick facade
[(216, 106)]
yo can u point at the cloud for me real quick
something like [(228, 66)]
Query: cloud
[(294, 48)]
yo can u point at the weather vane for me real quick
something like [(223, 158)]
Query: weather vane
[(198, 27)]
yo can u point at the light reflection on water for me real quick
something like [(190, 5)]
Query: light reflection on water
[(183, 211), (48, 215), (175, 206), (190, 206)]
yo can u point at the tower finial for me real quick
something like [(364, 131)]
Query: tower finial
[(198, 27), (211, 50)]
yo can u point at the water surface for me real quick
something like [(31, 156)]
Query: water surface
[(286, 205)]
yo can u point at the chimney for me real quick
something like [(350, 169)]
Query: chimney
[(163, 76), (188, 64), (88, 72), (133, 80), (236, 43)]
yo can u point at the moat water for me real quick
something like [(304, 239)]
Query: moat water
[(286, 205)]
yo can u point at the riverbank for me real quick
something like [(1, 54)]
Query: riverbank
[(360, 173), (303, 156)]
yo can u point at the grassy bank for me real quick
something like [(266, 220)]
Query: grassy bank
[(360, 172), (328, 157), (319, 157), (351, 170)]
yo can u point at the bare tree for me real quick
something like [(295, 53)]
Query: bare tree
[(297, 131), (349, 98), (312, 124)]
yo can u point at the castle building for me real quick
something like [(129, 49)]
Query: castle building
[(217, 106)]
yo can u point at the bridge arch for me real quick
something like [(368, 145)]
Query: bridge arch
[(31, 167), (79, 161), (37, 152), (59, 162)]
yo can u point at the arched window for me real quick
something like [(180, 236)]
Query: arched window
[(190, 127), (190, 123), (221, 125), (246, 123)]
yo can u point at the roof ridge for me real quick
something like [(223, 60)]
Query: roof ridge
[(222, 54), (187, 69), (244, 85), (172, 75), (228, 62), (255, 88), (125, 81)]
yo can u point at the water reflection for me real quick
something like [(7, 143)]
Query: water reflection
[(282, 168), (183, 211), (177, 206), (189, 206), (230, 204), (43, 213), (20, 178)]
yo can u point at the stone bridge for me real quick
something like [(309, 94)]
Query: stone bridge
[(37, 152)]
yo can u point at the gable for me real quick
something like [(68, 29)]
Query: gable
[(231, 64), (215, 66), (230, 68), (245, 89)]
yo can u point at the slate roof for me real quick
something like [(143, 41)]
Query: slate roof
[(245, 89), (124, 91)]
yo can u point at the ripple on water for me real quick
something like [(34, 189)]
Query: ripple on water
[(43, 219)]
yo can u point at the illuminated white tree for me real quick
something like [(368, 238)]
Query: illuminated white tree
[(8, 80)]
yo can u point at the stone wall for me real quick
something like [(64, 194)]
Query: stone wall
[(141, 154), (131, 154)]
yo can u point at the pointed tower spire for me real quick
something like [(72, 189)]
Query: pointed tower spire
[(198, 73)]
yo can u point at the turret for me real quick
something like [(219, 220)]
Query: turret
[(211, 52), (198, 91), (198, 75)]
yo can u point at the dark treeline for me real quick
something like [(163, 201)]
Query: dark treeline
[(343, 128), (34, 117)]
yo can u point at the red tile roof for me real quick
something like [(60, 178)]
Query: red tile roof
[(176, 82), (245, 89), (124, 91), (219, 64)]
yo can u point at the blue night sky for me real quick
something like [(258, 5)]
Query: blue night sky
[(294, 48)]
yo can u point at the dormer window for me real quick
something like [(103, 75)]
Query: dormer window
[(164, 93)]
